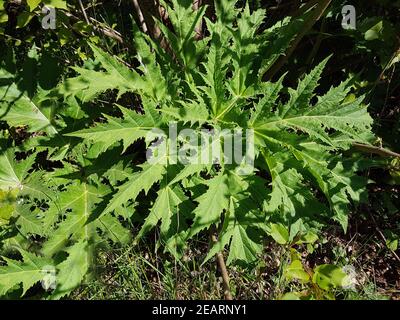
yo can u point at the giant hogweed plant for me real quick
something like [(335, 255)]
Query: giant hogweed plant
[(97, 184)]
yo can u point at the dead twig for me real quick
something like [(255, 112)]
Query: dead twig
[(317, 44), (383, 236), (376, 150), (307, 6), (316, 15), (199, 28), (224, 271), (140, 16), (84, 11), (108, 32)]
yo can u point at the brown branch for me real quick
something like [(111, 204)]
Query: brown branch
[(376, 150), (224, 271), (317, 45), (199, 28), (317, 14), (84, 11), (303, 9), (111, 34), (108, 32), (140, 16)]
